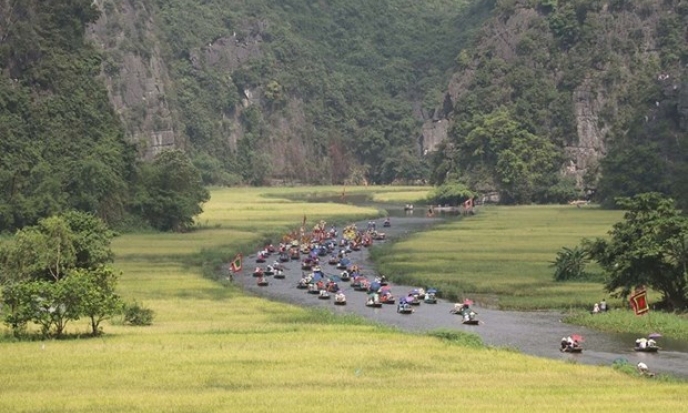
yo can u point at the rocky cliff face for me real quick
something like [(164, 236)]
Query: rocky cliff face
[(599, 55), (135, 74), (146, 95)]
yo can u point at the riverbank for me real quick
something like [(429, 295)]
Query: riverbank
[(534, 333)]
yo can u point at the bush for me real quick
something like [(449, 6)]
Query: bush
[(138, 315)]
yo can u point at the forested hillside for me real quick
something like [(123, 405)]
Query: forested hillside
[(535, 99), (300, 91), (62, 147), (596, 89)]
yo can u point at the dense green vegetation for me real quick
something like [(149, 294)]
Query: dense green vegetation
[(521, 92), (648, 248), (355, 68), (62, 147), (55, 272)]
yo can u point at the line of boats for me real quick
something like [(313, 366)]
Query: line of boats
[(378, 291)]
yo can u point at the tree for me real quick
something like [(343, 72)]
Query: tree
[(99, 301), (499, 148), (55, 246), (51, 305), (570, 264), (54, 272), (172, 192), (648, 248), (450, 193)]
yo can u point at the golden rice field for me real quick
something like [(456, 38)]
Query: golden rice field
[(214, 349)]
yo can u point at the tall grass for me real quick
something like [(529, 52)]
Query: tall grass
[(214, 349)]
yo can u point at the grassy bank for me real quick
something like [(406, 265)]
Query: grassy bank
[(501, 255), (214, 349), (625, 321)]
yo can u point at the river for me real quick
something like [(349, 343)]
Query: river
[(534, 333)]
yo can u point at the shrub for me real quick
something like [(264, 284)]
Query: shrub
[(138, 315)]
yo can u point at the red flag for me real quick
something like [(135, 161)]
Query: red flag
[(639, 302), (235, 266)]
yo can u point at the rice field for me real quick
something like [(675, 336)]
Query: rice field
[(214, 349), (502, 255)]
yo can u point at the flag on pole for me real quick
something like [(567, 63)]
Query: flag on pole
[(235, 266), (639, 302)]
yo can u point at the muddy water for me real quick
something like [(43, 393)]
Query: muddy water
[(531, 333)]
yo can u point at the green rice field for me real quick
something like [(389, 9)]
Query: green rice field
[(502, 255), (213, 348)]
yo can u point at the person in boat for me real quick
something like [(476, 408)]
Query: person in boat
[(564, 343), (570, 343), (651, 343), (641, 343), (469, 315), (574, 344), (403, 304), (603, 306)]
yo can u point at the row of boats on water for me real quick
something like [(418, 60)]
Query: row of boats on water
[(378, 291), (326, 287), (573, 344)]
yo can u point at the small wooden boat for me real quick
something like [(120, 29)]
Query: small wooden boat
[(258, 272), (363, 285), (313, 289), (387, 297), (387, 223), (260, 258), (262, 282), (324, 295), (374, 304), (270, 270), (430, 298), (648, 349), (345, 276), (569, 349), (279, 275), (473, 322), (404, 309), (303, 284), (339, 299), (284, 257)]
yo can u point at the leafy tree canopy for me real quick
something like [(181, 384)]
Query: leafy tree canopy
[(55, 246), (648, 248)]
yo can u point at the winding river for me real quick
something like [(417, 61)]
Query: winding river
[(534, 333)]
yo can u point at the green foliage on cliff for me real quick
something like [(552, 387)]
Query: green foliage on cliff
[(62, 147), (566, 72), (355, 69)]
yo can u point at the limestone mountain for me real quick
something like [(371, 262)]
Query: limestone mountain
[(293, 90), (557, 95)]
